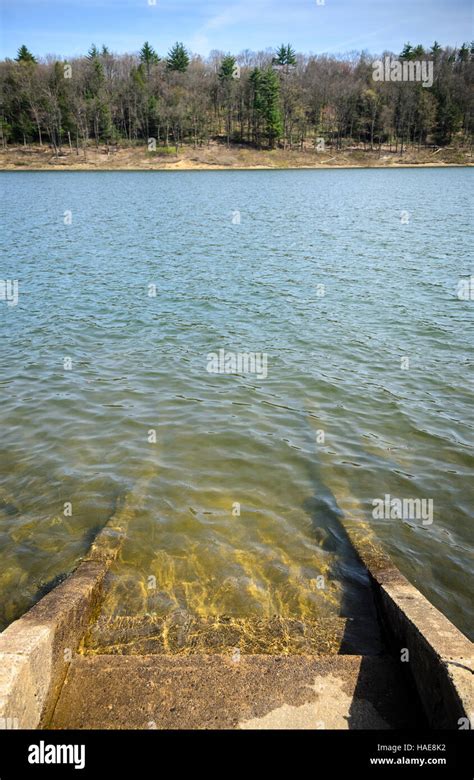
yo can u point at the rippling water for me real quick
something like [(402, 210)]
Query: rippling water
[(318, 270)]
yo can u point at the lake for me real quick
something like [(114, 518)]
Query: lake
[(240, 357)]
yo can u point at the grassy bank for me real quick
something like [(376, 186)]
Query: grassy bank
[(218, 156)]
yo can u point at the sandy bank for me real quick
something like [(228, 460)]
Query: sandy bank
[(219, 157)]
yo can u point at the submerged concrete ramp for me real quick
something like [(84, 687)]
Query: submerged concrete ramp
[(61, 667), (180, 633), (257, 692)]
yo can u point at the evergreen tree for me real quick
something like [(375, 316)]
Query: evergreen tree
[(227, 83), (227, 68), (148, 56), (407, 53), (24, 55), (95, 78), (266, 104), (285, 55), (464, 53), (93, 53), (178, 58), (284, 63)]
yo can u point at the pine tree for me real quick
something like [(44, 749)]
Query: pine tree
[(227, 68), (464, 53), (226, 76), (178, 58), (24, 55), (407, 53), (148, 56), (93, 53), (266, 103), (95, 78), (285, 55)]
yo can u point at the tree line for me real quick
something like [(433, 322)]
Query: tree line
[(264, 99)]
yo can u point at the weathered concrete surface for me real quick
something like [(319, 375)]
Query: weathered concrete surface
[(440, 658), (36, 650), (262, 692)]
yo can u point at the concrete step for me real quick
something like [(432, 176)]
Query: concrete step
[(180, 633), (262, 692)]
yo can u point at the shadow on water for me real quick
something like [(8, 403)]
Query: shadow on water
[(361, 632), (384, 695), (46, 587)]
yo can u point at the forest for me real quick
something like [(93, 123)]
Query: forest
[(268, 99)]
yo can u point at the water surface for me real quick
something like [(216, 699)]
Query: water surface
[(314, 268)]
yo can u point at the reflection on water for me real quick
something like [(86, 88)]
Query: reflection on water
[(233, 512)]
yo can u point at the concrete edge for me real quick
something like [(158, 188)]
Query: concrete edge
[(440, 658), (36, 649)]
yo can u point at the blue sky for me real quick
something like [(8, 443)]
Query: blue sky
[(68, 27)]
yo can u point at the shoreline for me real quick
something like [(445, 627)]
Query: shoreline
[(173, 169), (218, 158)]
